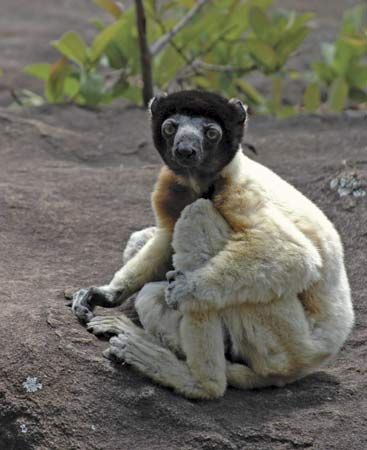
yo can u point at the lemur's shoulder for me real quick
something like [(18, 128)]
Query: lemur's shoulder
[(238, 196)]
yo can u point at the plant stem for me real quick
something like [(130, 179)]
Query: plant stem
[(276, 92), (145, 55)]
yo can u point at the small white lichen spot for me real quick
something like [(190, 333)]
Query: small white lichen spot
[(23, 428), (93, 428), (31, 384)]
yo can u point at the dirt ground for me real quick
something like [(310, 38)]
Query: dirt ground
[(74, 185)]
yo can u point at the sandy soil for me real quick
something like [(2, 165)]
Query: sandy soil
[(74, 185)]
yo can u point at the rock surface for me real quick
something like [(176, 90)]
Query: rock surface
[(74, 185)]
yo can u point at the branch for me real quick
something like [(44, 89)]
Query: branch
[(221, 68), (145, 56), (159, 44)]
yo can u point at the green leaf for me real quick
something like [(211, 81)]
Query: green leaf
[(40, 71), (290, 43), (312, 97), (259, 22), (285, 112), (29, 98), (357, 76), (55, 84), (116, 58), (343, 57), (103, 39), (167, 65), (71, 86), (252, 94), (134, 94), (73, 47), (324, 72), (359, 44), (111, 7), (301, 20), (201, 82), (338, 94), (263, 54), (92, 88)]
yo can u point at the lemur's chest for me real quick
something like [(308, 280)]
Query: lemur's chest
[(171, 196)]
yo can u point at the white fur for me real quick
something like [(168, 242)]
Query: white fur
[(244, 285)]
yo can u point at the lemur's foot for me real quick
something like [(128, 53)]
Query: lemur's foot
[(121, 345), (85, 300), (106, 325)]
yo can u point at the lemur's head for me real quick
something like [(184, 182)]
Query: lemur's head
[(197, 133)]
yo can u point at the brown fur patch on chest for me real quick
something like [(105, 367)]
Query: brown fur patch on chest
[(170, 197)]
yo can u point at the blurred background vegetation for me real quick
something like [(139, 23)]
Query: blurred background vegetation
[(152, 46)]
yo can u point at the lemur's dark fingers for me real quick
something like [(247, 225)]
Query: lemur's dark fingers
[(82, 304), (172, 274), (170, 298), (83, 313)]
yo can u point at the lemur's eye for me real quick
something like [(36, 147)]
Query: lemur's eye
[(169, 128), (212, 134)]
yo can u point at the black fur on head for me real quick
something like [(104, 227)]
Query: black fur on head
[(229, 114)]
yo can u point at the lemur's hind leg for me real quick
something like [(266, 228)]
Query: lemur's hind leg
[(141, 350), (243, 377)]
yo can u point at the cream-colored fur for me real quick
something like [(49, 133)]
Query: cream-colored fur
[(259, 275)]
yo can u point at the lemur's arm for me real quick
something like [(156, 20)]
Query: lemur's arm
[(256, 265), (149, 264), (152, 262)]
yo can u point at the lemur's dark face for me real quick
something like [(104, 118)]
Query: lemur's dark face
[(197, 133), (191, 142)]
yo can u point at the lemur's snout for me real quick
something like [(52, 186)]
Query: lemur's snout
[(185, 150)]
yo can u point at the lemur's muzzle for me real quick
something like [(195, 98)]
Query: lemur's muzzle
[(186, 152)]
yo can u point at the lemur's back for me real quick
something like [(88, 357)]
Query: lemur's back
[(331, 294), (307, 217)]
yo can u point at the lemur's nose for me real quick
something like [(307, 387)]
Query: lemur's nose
[(185, 150)]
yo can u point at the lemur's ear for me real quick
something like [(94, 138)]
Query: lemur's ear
[(240, 107), (154, 102)]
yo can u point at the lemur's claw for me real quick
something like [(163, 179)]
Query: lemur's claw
[(82, 304), (178, 289), (172, 274), (170, 298)]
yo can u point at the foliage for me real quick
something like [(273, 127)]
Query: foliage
[(239, 31), (78, 74), (219, 45), (343, 70)]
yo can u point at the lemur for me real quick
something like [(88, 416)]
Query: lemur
[(242, 281)]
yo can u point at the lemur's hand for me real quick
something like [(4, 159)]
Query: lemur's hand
[(85, 300), (179, 291)]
